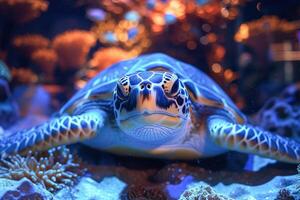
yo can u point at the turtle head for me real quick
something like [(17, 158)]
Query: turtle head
[(151, 106)]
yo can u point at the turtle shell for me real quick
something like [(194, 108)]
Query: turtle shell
[(202, 89)]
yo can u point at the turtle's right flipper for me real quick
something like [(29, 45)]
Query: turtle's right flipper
[(250, 139), (58, 131)]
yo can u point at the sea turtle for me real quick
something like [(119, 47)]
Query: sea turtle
[(153, 106)]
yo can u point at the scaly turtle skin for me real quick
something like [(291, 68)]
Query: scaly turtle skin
[(154, 106)]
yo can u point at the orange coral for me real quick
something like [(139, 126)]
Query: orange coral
[(23, 10), (105, 57), (46, 59), (102, 59), (27, 44), (72, 47), (23, 76)]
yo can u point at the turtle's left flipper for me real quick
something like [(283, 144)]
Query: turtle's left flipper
[(250, 139), (58, 131)]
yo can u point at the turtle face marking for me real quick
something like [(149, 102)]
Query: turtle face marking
[(151, 106)]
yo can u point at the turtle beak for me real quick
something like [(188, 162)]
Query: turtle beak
[(146, 101)]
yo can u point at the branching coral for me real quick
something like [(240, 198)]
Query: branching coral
[(72, 47), (53, 169), (23, 10), (45, 59), (27, 44)]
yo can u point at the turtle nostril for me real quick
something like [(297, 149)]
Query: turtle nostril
[(145, 85)]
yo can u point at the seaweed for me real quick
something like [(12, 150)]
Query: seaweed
[(53, 169)]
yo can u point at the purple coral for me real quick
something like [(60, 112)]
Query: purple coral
[(53, 169)]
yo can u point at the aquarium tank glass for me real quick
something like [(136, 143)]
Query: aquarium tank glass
[(150, 100)]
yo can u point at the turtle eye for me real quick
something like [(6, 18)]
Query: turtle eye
[(175, 88), (123, 88), (170, 84)]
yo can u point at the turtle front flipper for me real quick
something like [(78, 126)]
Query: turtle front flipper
[(58, 131), (250, 139)]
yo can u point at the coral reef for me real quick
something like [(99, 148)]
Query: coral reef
[(135, 192), (105, 57), (172, 174), (101, 59), (27, 44), (22, 189), (127, 34), (109, 188), (23, 10), (53, 169), (72, 47), (279, 187), (202, 192), (175, 190), (23, 76), (284, 194), (45, 59), (34, 105)]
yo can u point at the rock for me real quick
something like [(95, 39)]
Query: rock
[(22, 189), (109, 188)]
